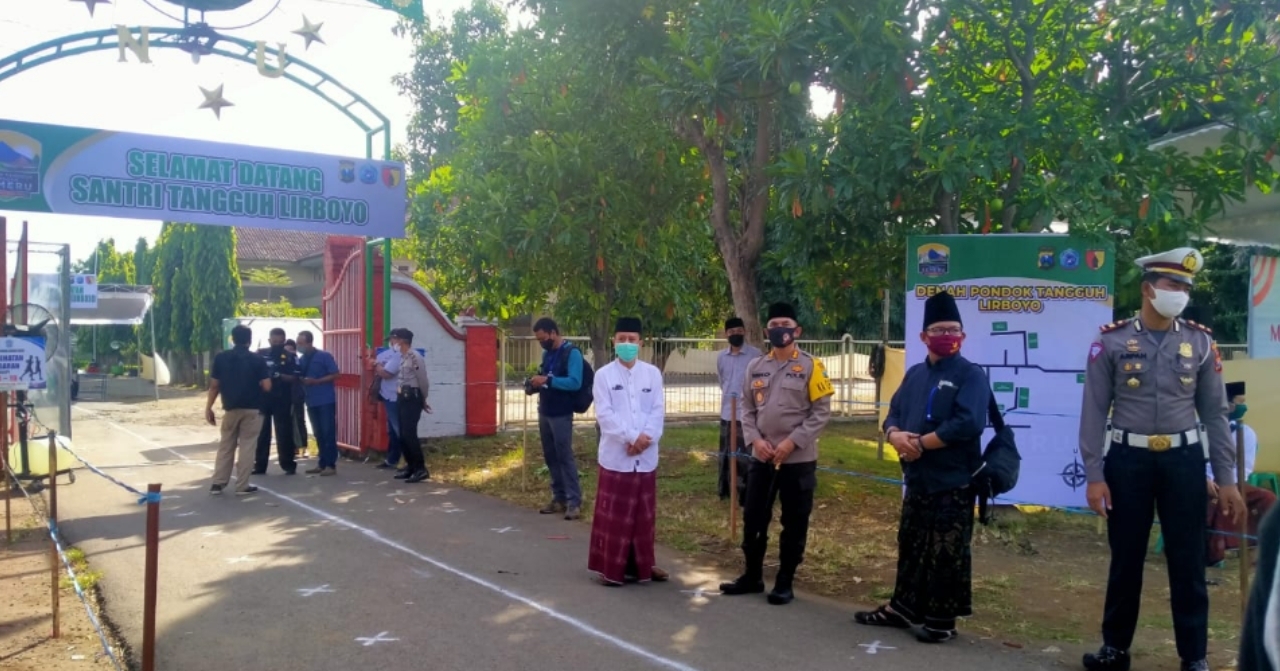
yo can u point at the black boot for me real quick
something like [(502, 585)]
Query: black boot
[(782, 594), (1107, 659), (751, 582)]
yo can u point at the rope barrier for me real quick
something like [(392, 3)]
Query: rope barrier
[(52, 529), (143, 497), (999, 499)]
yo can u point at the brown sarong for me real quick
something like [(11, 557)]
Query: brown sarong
[(622, 528), (1223, 533)]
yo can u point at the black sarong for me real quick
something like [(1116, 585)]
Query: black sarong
[(935, 565)]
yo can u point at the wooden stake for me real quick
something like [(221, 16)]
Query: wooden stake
[(54, 560), (1244, 522), (733, 469), (151, 579)]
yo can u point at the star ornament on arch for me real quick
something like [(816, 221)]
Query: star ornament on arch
[(310, 31), (213, 100), (92, 4)]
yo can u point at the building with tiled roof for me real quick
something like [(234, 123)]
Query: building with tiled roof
[(299, 254)]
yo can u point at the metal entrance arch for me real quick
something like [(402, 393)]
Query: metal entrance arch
[(342, 313)]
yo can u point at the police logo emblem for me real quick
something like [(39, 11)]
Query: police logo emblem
[(757, 383), (1131, 345), (759, 397), (1187, 380), (1184, 350), (1134, 383)]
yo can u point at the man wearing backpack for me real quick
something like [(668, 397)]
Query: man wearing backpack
[(935, 422), (558, 383)]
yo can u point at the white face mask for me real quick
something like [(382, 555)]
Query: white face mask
[(1170, 304)]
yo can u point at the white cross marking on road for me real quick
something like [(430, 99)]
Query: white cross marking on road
[(308, 591), (357, 482), (453, 510), (380, 638), (699, 592), (875, 647), (186, 514), (238, 560), (422, 573), (504, 530), (397, 493), (438, 492)]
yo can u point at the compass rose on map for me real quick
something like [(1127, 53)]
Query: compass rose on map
[(1073, 474)]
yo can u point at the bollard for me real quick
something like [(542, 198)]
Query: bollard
[(4, 458), (1244, 523), (152, 569), (732, 452), (54, 560)]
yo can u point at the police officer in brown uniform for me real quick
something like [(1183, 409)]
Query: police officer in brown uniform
[(1160, 377), (786, 403)]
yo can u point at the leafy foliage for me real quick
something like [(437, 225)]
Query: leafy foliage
[(280, 308), (268, 277), (215, 284)]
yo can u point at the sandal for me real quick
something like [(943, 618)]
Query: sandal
[(928, 635), (881, 617)]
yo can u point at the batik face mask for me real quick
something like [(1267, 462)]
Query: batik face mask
[(944, 345)]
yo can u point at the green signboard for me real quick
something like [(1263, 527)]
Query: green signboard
[(67, 170), (1031, 306)]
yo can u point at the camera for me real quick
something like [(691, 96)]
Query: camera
[(528, 387)]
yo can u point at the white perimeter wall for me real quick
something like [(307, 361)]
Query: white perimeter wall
[(446, 359)]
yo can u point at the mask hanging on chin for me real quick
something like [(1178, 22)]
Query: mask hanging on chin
[(1170, 304)]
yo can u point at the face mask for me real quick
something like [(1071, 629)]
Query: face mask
[(547, 344), (944, 345), (781, 336), (737, 340), (1239, 411), (1170, 304), (627, 351)]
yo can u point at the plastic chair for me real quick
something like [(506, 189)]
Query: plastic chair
[(1265, 481)]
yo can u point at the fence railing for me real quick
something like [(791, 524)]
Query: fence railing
[(691, 385), (690, 382)]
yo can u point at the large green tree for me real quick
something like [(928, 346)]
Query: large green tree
[(215, 284), (564, 190)]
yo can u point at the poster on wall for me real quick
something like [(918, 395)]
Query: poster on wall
[(1031, 306), (84, 292), (1264, 308), (22, 364)]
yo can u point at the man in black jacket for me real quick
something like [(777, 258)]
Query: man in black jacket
[(278, 407)]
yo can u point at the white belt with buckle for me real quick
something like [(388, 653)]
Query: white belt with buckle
[(1156, 443)]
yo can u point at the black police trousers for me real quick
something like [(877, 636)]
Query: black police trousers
[(1171, 483), (279, 416), (794, 485), (409, 406)]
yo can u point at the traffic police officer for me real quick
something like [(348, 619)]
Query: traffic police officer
[(1156, 374), (786, 403)]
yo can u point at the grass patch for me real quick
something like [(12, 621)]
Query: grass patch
[(86, 577), (1038, 576)]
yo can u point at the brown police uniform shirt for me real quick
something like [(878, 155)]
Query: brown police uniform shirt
[(1155, 388), (788, 398)]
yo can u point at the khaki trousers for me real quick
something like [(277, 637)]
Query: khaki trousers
[(240, 430)]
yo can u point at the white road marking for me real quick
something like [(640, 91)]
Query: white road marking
[(380, 638), (372, 535), (875, 647), (238, 560), (504, 530), (310, 591), (700, 592)]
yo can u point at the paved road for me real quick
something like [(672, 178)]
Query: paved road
[(359, 571)]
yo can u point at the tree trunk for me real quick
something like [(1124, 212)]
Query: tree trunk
[(599, 334)]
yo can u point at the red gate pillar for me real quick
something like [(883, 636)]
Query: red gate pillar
[(482, 378)]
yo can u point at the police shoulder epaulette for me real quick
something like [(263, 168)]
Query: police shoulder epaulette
[(1107, 328), (1201, 327)]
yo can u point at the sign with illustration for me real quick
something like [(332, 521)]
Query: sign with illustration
[(67, 170), (1264, 308), (1031, 306), (22, 364)]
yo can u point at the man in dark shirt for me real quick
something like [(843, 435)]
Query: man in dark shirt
[(278, 407), (241, 377), (317, 371), (299, 407), (935, 422), (1260, 640)]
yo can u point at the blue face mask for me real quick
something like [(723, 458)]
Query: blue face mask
[(627, 351)]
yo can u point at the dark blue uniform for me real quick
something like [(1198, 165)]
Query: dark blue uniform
[(278, 411)]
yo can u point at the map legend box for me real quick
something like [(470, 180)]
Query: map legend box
[(1002, 386), (1080, 378), (1024, 397), (1033, 340), (1000, 327)]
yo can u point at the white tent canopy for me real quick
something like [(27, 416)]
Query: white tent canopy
[(121, 305), (118, 305)]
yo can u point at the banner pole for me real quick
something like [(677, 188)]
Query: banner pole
[(151, 578), (1244, 522), (731, 452), (54, 559)]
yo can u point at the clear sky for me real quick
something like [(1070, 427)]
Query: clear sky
[(97, 91)]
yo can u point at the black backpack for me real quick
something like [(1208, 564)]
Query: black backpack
[(1001, 462), (583, 397)]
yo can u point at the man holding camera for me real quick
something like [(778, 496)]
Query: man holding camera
[(559, 378)]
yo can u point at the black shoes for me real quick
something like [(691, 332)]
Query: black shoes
[(418, 476), (251, 489), (1108, 659), (216, 489), (402, 474), (553, 508), (384, 466), (781, 593), (745, 584), (260, 471), (1201, 665), (929, 635)]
